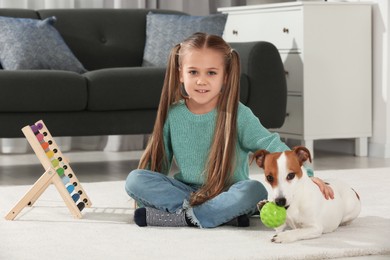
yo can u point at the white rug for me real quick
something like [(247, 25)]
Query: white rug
[(48, 231)]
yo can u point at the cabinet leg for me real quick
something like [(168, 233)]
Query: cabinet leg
[(361, 146), (309, 144)]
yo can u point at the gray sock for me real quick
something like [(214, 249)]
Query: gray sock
[(155, 217)]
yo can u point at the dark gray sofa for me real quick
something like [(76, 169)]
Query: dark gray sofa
[(117, 96)]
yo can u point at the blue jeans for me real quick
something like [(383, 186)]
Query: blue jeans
[(158, 191)]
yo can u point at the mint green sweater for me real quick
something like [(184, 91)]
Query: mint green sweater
[(188, 137)]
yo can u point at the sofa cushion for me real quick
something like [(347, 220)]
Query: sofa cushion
[(42, 91), (21, 13), (163, 31), (135, 88), (34, 44)]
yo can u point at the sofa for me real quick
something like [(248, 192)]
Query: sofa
[(115, 94)]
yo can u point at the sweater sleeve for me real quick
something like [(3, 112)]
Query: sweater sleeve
[(254, 136)]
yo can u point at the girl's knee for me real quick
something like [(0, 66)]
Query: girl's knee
[(133, 181), (258, 190)]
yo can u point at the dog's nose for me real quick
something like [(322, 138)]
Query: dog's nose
[(281, 202)]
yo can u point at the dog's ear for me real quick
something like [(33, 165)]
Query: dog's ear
[(259, 156), (302, 153)]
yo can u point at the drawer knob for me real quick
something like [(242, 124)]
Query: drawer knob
[(287, 114), (286, 30), (235, 32)]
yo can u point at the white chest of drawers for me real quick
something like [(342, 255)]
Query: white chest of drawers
[(326, 50)]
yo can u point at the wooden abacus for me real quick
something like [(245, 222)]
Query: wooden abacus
[(57, 172)]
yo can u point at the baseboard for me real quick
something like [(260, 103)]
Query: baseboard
[(111, 143), (14, 145)]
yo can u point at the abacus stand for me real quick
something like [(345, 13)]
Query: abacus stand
[(57, 172), (50, 176)]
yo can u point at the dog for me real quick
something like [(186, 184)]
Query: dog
[(309, 214)]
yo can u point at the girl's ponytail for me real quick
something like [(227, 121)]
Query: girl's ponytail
[(154, 157)]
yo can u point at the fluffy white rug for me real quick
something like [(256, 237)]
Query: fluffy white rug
[(48, 231)]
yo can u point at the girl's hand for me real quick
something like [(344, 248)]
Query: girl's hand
[(324, 188)]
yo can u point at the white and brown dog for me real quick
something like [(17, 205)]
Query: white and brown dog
[(309, 214)]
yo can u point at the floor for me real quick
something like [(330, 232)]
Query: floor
[(24, 169)]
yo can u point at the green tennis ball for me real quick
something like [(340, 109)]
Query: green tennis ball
[(272, 215)]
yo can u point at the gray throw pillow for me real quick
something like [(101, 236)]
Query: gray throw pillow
[(164, 31), (28, 44)]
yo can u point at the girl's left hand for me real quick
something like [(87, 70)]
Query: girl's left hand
[(324, 188)]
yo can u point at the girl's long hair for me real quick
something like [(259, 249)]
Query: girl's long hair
[(221, 157)]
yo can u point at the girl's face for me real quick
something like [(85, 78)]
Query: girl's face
[(202, 72)]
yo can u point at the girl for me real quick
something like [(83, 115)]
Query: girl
[(203, 126)]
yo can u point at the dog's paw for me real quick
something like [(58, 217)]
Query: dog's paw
[(283, 237), (260, 204)]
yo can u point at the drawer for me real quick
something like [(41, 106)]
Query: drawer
[(282, 28), (293, 65), (293, 123)]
